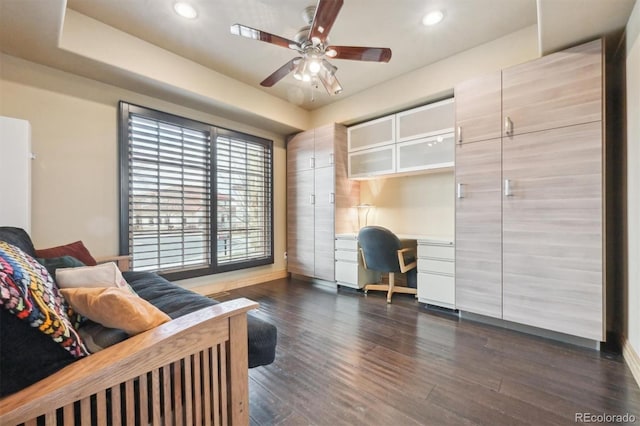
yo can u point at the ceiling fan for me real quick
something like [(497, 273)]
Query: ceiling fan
[(311, 42)]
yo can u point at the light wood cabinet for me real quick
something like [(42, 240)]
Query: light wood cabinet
[(15, 173), (552, 230), (479, 227), (320, 200), (530, 219), (479, 108), (558, 90)]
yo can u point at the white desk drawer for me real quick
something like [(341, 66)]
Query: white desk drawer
[(437, 252), (347, 255), (346, 244), (347, 272), (437, 290), (439, 266)]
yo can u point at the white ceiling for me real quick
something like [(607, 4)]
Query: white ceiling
[(377, 23), (32, 29)]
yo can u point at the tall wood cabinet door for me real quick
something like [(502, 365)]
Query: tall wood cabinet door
[(300, 222), (324, 146), (478, 244), (300, 152), (552, 230), (557, 90), (324, 224), (478, 106)]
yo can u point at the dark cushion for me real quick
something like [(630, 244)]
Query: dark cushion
[(17, 237), (59, 262), (76, 249), (26, 354), (177, 301)]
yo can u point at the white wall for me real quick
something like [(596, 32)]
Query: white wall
[(633, 177), (75, 175)]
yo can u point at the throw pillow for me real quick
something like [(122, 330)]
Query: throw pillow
[(115, 307), (76, 249), (28, 292), (59, 262), (104, 275), (96, 336)]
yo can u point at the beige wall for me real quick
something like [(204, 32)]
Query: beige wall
[(432, 82), (75, 175), (419, 204), (633, 178)]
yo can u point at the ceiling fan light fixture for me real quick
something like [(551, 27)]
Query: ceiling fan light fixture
[(331, 52), (314, 66), (185, 10), (432, 18)]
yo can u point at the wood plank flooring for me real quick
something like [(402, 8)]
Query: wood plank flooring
[(348, 359)]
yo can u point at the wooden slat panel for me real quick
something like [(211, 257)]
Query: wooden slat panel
[(557, 90), (85, 411), (116, 401), (215, 378), (224, 386), (143, 399), (239, 372), (101, 407), (67, 414), (50, 419), (166, 396), (177, 393), (130, 402), (188, 391), (552, 232), (206, 384), (32, 422), (478, 245), (197, 389), (155, 397), (479, 108)]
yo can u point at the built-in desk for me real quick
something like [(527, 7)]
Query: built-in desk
[(436, 267)]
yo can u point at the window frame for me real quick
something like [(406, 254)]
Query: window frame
[(124, 111)]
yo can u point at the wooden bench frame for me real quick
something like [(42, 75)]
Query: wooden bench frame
[(194, 369)]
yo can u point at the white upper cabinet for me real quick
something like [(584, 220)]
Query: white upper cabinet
[(372, 133), (432, 119), (434, 152), (372, 162)]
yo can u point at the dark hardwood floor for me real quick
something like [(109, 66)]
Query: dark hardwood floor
[(348, 359)]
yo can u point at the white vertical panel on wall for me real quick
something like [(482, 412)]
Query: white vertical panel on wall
[(15, 173)]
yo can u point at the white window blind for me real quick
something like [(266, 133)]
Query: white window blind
[(244, 200), (169, 195)]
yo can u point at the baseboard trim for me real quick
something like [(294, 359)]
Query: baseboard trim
[(632, 359), (220, 287)]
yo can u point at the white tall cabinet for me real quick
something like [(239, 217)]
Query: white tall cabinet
[(15, 173)]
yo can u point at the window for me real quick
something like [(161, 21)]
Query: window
[(195, 199)]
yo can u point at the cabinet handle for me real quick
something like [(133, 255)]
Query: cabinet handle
[(331, 158), (508, 192), (508, 126), (332, 198), (459, 134), (459, 191), (312, 163), (312, 199)]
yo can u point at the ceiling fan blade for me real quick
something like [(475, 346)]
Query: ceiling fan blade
[(354, 53), (326, 14), (280, 73), (327, 76), (248, 32)]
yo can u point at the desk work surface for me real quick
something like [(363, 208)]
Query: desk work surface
[(420, 238)]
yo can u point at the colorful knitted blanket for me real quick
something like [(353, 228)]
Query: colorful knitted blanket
[(28, 291)]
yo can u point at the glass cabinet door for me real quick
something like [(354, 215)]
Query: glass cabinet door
[(372, 162), (424, 154), (372, 133)]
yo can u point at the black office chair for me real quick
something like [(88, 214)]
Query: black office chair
[(382, 251)]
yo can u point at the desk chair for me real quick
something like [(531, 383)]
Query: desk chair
[(382, 251)]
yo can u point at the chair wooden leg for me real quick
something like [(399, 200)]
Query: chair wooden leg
[(391, 283)]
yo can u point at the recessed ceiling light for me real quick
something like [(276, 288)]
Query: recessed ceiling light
[(432, 18), (185, 10)]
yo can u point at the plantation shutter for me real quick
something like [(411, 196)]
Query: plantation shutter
[(169, 195), (244, 200)]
